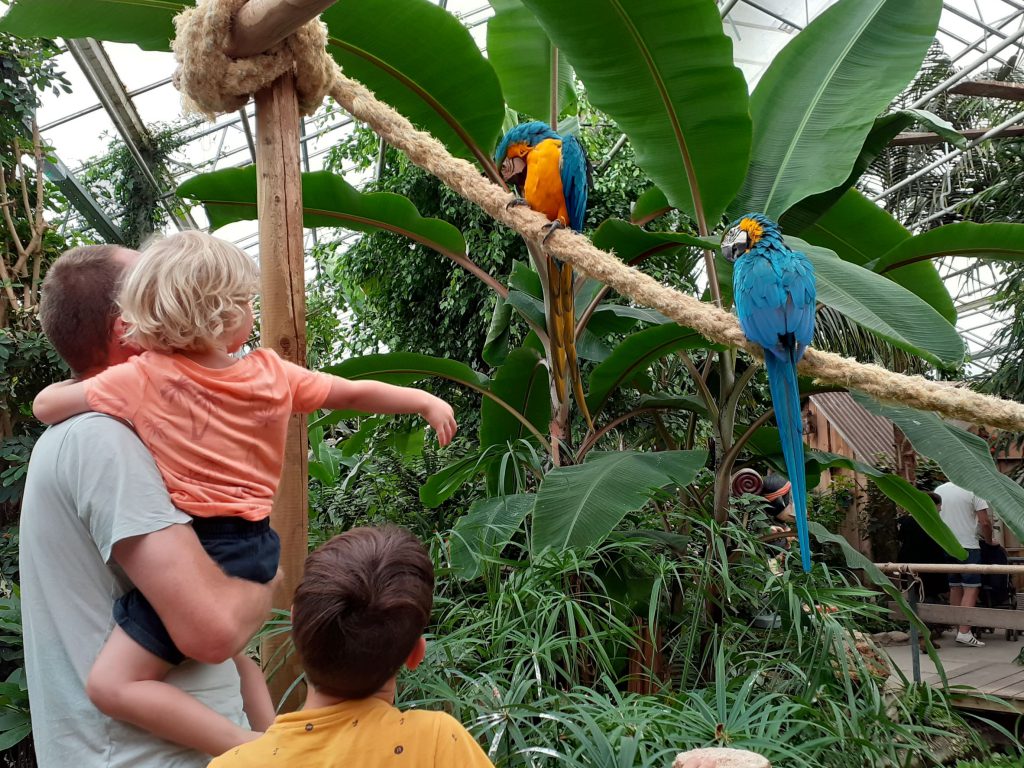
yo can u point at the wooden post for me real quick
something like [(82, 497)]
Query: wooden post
[(283, 323)]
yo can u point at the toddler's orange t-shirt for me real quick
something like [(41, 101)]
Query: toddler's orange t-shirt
[(217, 434)]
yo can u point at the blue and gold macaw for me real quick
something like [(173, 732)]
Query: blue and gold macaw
[(550, 172), (774, 293)]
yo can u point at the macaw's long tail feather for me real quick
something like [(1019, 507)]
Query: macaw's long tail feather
[(786, 399), (569, 339), (556, 332)]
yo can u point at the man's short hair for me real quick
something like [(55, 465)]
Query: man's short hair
[(935, 498), (79, 304), (364, 600)]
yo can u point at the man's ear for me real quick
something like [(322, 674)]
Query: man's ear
[(416, 655)]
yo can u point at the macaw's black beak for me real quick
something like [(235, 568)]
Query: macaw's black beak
[(513, 170), (735, 243)]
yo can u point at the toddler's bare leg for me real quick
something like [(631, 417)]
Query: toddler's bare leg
[(126, 683), (259, 707)]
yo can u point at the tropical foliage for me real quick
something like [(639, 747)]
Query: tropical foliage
[(587, 544)]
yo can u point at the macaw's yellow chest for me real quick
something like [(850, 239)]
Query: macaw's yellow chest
[(543, 189)]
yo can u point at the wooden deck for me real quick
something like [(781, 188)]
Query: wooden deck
[(972, 672)]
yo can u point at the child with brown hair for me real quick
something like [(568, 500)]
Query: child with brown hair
[(216, 425), (357, 619)]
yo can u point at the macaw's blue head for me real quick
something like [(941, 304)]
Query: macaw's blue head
[(746, 232), (516, 145)]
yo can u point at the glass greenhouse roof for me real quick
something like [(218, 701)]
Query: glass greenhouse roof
[(975, 34)]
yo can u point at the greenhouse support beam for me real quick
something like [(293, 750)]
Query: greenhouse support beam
[(262, 24), (990, 133), (913, 138), (999, 25), (960, 75), (973, 20), (99, 71), (993, 89), (82, 199)]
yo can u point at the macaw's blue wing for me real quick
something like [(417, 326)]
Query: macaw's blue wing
[(573, 169), (775, 301)]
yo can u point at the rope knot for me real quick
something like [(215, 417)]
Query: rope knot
[(212, 82)]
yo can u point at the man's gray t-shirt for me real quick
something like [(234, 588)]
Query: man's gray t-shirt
[(90, 484)]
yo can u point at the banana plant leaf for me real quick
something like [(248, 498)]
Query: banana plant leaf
[(522, 382), (484, 530), (883, 307), (634, 355), (1004, 242), (651, 204), (817, 102), (327, 201), (578, 506), (905, 495), (964, 458), (885, 129), (422, 61), (495, 349), (633, 245), (524, 58), (855, 559), (588, 345), (860, 232), (443, 484), (147, 23), (671, 86)]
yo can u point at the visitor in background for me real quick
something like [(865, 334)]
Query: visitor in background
[(96, 519), (968, 518)]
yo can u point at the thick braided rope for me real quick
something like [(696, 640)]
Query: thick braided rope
[(203, 33), (213, 82)]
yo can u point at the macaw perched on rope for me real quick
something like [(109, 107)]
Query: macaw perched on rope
[(551, 173), (774, 293)]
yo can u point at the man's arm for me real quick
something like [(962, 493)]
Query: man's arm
[(209, 615), (60, 401), (985, 525)]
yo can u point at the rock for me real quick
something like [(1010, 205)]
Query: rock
[(721, 758), (891, 638)]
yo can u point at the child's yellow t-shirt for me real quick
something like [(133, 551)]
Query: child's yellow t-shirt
[(368, 733)]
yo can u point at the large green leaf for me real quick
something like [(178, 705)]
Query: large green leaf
[(441, 485), (977, 241), (327, 201), (855, 559), (401, 369), (147, 23), (860, 232), (484, 531), (963, 457), (651, 204), (633, 245), (885, 129), (634, 355), (495, 350), (906, 496), (663, 70), (817, 101), (523, 57), (578, 506), (423, 62), (522, 382), (883, 307)]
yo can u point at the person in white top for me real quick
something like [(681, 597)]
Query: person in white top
[(967, 516)]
